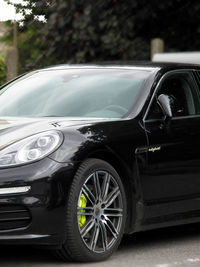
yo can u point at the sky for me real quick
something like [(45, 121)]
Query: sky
[(7, 12)]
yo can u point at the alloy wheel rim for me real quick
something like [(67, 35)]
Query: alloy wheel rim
[(100, 218)]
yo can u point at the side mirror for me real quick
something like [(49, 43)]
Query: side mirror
[(164, 101)]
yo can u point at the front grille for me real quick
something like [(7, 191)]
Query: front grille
[(13, 217)]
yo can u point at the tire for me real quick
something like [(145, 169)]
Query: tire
[(95, 215)]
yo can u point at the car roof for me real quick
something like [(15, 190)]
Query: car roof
[(143, 65)]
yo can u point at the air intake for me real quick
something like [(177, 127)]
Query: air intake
[(13, 217)]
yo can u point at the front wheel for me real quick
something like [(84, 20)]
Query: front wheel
[(96, 212)]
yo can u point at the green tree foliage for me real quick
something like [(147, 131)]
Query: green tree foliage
[(29, 49), (79, 31), (2, 70)]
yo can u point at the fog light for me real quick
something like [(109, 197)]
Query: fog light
[(15, 190)]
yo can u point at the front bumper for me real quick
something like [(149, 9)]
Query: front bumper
[(36, 217)]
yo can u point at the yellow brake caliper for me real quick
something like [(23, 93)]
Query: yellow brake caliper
[(82, 204)]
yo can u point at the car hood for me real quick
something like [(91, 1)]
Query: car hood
[(13, 129)]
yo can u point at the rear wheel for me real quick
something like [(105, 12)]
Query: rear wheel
[(96, 212)]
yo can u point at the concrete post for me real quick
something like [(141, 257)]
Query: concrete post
[(12, 63), (12, 56), (157, 46)]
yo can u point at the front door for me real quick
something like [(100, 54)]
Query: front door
[(171, 180)]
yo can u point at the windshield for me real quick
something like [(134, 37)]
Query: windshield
[(103, 93)]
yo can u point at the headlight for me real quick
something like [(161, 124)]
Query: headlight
[(31, 148)]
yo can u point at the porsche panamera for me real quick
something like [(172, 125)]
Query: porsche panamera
[(90, 153)]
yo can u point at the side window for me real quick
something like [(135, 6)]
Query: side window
[(181, 89)]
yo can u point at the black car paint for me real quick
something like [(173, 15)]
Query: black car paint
[(162, 187)]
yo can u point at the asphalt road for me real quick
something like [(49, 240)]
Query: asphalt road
[(172, 247)]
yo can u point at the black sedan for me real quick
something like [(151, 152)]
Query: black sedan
[(89, 153)]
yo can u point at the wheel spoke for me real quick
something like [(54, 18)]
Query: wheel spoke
[(104, 235), (87, 196), (112, 196), (114, 209), (95, 238), (105, 186), (88, 191), (97, 186), (113, 212), (87, 227), (85, 213), (85, 208), (111, 227)]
